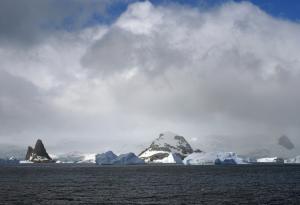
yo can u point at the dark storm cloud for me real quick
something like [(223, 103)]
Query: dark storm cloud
[(20, 104), (29, 22)]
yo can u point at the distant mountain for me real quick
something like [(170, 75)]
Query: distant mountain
[(9, 161), (38, 154), (258, 153), (167, 143), (295, 160), (7, 151), (285, 142), (75, 157)]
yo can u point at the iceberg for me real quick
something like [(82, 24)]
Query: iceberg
[(127, 159), (109, 158), (270, 160), (213, 158), (105, 158)]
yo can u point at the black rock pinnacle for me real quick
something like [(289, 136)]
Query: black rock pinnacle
[(40, 150), (38, 154), (29, 153)]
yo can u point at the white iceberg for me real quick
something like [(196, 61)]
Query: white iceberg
[(212, 158), (270, 160)]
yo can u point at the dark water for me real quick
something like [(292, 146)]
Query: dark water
[(90, 184)]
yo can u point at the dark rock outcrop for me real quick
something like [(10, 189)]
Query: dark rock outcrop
[(40, 150), (38, 154), (29, 153)]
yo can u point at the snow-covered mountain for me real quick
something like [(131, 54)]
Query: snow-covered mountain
[(212, 158), (166, 145)]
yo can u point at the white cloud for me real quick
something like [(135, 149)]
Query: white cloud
[(231, 71)]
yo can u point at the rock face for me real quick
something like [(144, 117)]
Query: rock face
[(170, 158), (167, 143), (29, 153), (38, 154)]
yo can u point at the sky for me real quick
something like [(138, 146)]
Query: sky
[(93, 76)]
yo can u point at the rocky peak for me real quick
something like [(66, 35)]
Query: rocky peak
[(172, 142), (38, 154), (167, 143), (40, 150), (29, 153)]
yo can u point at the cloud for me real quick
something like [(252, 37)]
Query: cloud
[(31, 22), (231, 71)]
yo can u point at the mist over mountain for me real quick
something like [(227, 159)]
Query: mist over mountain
[(9, 150), (286, 142)]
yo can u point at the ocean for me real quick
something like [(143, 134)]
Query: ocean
[(149, 184)]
